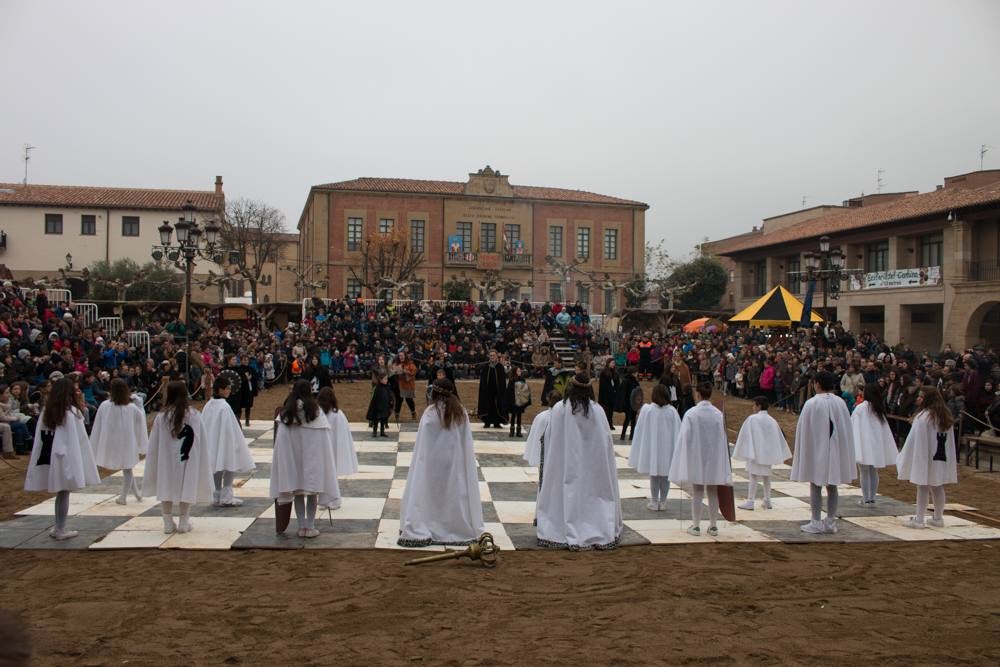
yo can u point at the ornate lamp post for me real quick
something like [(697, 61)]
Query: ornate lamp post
[(193, 243), (826, 265)]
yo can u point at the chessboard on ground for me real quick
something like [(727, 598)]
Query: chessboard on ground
[(369, 515)]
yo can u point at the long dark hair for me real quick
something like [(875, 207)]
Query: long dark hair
[(327, 399), (660, 395), (301, 391), (876, 399), (120, 394), (935, 405), (62, 397), (445, 399), (176, 406), (579, 393)]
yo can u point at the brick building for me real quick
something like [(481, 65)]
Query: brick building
[(465, 228), (929, 262)]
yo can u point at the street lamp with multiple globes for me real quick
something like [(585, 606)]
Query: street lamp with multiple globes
[(193, 242), (826, 265)]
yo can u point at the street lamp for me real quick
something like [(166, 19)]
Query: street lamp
[(826, 265), (189, 247)]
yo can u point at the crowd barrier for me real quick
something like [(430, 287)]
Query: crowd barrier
[(111, 325), (139, 339)]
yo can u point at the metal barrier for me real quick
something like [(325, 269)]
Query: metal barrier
[(308, 303), (87, 313), (111, 325), (59, 295), (26, 292), (139, 338)]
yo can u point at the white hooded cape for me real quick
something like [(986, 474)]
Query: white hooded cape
[(441, 503), (824, 455), (873, 441), (119, 435), (533, 446), (227, 447), (916, 460), (71, 464), (702, 452), (303, 461), (345, 457), (654, 439), (578, 503), (166, 476), (761, 441)]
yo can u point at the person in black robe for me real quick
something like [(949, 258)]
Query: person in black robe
[(607, 386), (492, 390), (380, 405), (623, 399), (244, 391)]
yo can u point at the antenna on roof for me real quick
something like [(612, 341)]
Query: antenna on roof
[(27, 158), (878, 180), (983, 150), (803, 201)]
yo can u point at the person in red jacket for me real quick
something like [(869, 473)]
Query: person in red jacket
[(767, 380)]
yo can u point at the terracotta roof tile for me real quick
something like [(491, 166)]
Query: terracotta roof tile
[(939, 202), (413, 186), (96, 197)]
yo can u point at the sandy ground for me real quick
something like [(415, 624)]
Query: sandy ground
[(896, 603)]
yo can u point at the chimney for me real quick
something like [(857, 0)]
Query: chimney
[(218, 185)]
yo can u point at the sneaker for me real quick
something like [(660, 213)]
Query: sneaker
[(913, 523), (748, 505), (653, 506), (168, 525), (661, 505), (64, 534), (767, 504), (713, 531), (184, 525), (813, 527), (937, 523), (830, 526), (232, 502), (122, 499), (694, 530), (308, 532), (216, 497)]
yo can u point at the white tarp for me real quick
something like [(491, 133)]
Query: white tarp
[(918, 277)]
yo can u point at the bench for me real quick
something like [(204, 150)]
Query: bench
[(986, 444)]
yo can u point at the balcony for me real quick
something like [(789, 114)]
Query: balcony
[(462, 258), (986, 269)]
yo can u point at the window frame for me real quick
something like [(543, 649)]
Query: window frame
[(386, 226), (583, 242), (464, 230), (487, 237), (353, 282), (355, 228), (553, 287), (130, 220), (932, 244), (417, 291), (583, 294), (611, 244), (555, 240), (512, 234), (88, 218), (53, 223), (418, 237), (877, 255)]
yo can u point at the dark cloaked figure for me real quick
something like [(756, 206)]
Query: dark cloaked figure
[(606, 388), (380, 405), (492, 389), (623, 399)]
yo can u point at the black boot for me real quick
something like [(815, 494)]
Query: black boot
[(512, 430), (519, 431)]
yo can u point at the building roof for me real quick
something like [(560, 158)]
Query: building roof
[(456, 188), (939, 202), (76, 196)]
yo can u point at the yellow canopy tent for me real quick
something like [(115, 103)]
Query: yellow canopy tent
[(777, 308)]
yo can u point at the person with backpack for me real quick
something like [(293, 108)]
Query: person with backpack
[(518, 399), (629, 400)]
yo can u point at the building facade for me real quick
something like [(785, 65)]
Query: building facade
[(43, 226), (927, 264), (465, 229)]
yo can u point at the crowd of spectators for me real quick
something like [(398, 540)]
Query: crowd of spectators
[(347, 339)]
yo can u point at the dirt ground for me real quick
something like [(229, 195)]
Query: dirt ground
[(894, 603)]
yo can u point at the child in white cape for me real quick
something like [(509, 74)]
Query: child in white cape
[(61, 458), (655, 436), (874, 446), (761, 444), (119, 436), (228, 452), (928, 456), (345, 456)]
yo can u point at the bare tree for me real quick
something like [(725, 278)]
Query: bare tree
[(251, 232), (387, 261)]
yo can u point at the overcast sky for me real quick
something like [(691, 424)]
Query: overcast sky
[(716, 114)]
